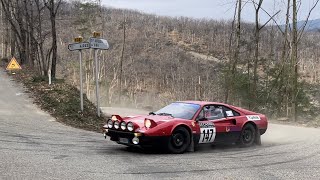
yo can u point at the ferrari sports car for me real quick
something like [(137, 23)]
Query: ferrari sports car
[(181, 126)]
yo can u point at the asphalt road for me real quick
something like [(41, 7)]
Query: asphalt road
[(34, 146)]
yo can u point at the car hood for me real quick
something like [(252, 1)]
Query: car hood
[(139, 120)]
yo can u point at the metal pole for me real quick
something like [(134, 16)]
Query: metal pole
[(49, 74), (96, 77), (81, 83)]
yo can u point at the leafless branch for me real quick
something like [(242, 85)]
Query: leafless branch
[(301, 31)]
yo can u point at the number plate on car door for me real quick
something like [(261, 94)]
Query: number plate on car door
[(208, 132)]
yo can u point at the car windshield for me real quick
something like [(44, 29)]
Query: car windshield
[(179, 110)]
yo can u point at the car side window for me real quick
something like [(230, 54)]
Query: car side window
[(211, 112), (229, 112)]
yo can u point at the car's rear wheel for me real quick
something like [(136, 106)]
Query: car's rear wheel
[(179, 140), (248, 136)]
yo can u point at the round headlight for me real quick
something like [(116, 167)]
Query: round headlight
[(130, 126), (110, 123), (147, 123), (123, 125), (135, 140), (116, 124)]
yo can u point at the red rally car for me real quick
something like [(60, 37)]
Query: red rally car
[(181, 126)]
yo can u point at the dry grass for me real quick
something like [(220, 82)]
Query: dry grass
[(61, 100)]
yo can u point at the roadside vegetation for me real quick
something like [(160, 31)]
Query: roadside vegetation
[(266, 67), (60, 99)]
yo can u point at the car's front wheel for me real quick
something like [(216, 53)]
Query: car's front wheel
[(248, 136), (179, 140)]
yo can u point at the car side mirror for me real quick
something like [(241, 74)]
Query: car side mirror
[(152, 113)]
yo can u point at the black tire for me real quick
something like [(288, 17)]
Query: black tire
[(179, 140), (247, 136)]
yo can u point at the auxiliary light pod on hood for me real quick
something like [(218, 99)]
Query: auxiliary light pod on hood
[(149, 123), (116, 117)]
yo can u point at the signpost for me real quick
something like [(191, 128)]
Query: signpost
[(78, 39), (81, 81), (79, 45), (96, 44)]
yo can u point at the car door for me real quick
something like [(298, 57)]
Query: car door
[(227, 130), (205, 126)]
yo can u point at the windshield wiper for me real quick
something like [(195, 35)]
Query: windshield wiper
[(165, 114)]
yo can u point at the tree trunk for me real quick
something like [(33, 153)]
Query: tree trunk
[(121, 60), (237, 51), (294, 62), (234, 56), (283, 70), (54, 39), (256, 56)]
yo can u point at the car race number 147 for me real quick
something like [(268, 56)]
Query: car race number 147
[(208, 132)]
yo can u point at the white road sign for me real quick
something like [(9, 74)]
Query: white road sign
[(79, 46), (96, 43)]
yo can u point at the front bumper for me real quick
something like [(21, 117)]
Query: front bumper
[(126, 138)]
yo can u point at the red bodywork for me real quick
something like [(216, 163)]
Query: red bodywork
[(163, 126)]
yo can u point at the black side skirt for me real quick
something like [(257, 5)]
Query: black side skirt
[(221, 138)]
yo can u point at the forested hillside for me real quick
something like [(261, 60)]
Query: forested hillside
[(155, 60)]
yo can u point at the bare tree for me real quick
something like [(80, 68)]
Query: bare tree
[(231, 74), (53, 7), (257, 29), (13, 13), (122, 56), (294, 56)]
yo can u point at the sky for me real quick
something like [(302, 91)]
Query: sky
[(212, 9)]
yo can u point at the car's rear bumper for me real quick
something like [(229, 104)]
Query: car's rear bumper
[(126, 138)]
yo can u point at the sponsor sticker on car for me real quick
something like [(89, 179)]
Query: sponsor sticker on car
[(253, 118)]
